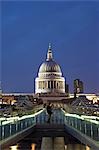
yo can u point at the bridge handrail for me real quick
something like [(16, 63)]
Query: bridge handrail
[(17, 124), (83, 117), (87, 126)]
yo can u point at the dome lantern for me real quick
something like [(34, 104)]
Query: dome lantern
[(49, 53)]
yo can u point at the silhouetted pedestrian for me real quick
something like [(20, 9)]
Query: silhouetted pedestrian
[(49, 111)]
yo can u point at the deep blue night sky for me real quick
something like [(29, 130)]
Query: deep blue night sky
[(28, 27)]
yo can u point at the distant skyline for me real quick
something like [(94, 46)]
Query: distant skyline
[(29, 26)]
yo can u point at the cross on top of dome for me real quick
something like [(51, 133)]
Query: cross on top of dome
[(49, 53), (49, 47)]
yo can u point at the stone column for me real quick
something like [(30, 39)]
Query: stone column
[(46, 86), (61, 85), (43, 84), (50, 84), (39, 84), (57, 85), (54, 84)]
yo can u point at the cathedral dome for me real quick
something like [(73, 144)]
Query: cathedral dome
[(49, 65), (50, 79)]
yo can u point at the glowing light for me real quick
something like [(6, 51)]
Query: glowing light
[(15, 147), (93, 121), (65, 147), (13, 118), (74, 115), (87, 148), (3, 118), (33, 146), (30, 116), (7, 122)]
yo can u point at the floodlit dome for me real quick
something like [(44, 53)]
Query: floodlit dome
[(50, 76), (49, 66)]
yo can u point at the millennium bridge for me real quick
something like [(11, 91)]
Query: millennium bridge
[(83, 128)]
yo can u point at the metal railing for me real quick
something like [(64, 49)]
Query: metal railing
[(89, 127), (14, 125)]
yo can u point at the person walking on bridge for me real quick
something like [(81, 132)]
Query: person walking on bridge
[(49, 111)]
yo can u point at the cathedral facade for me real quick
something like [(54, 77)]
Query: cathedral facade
[(50, 79)]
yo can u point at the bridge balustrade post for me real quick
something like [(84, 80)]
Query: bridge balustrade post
[(10, 129), (66, 120), (75, 123), (91, 131), (30, 121), (69, 121), (21, 125), (63, 118), (72, 123), (85, 127), (42, 118), (34, 119), (16, 127), (26, 124), (80, 125), (39, 118), (55, 119), (98, 133), (3, 132)]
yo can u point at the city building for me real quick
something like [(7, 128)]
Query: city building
[(8, 99), (78, 86)]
